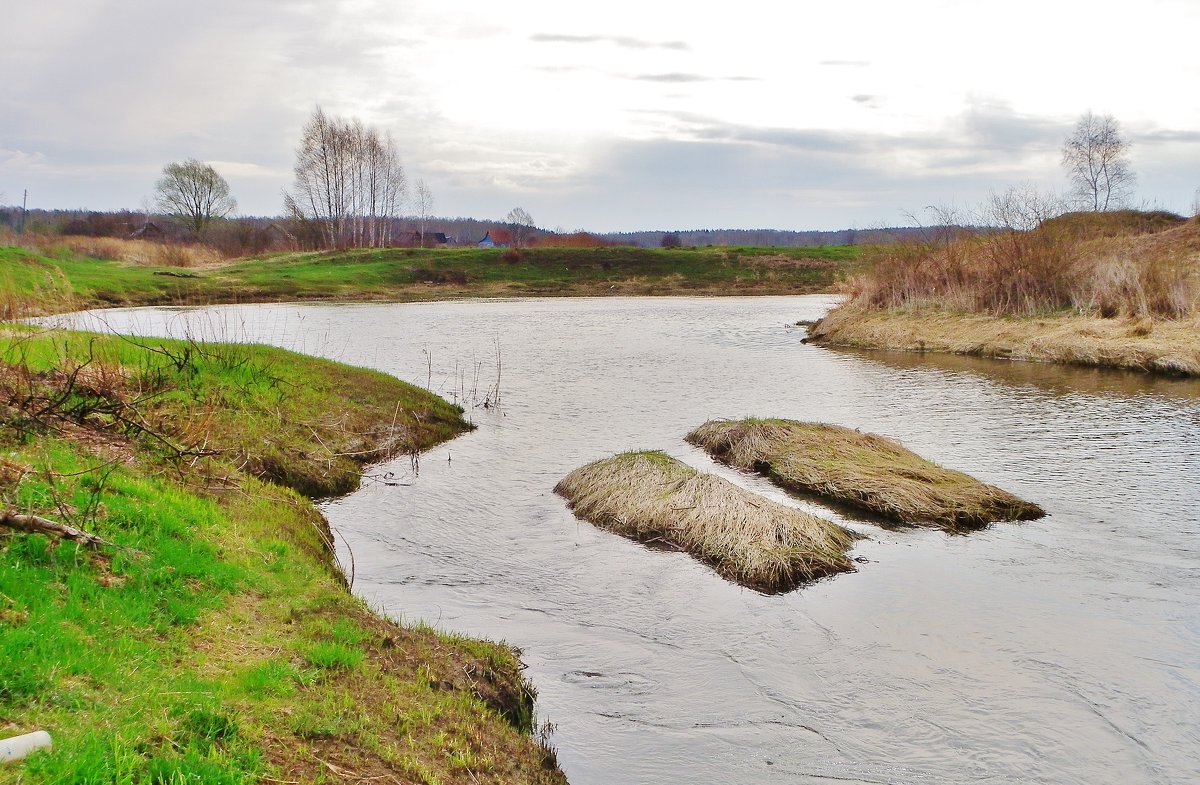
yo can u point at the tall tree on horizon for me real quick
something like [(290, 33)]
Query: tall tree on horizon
[(194, 193), (423, 200), (349, 180), (520, 223), (1096, 157)]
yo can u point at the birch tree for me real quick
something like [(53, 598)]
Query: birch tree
[(348, 180), (1096, 157), (423, 199)]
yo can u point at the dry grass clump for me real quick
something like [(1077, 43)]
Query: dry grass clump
[(1128, 263), (861, 470), (146, 253), (651, 497), (141, 252)]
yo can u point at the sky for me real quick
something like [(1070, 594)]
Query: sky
[(626, 115)]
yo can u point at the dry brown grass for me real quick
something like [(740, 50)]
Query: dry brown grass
[(1136, 344), (146, 253), (1117, 290), (1128, 263), (651, 497), (141, 252), (861, 470)]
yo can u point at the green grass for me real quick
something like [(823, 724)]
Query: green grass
[(46, 284), (539, 270), (39, 283), (215, 642)]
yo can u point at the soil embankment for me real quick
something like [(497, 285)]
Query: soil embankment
[(1137, 344)]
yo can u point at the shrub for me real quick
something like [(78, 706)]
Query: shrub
[(1132, 263)]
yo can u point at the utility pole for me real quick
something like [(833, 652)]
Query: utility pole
[(24, 205)]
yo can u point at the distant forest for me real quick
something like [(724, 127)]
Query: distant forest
[(764, 237), (250, 235)]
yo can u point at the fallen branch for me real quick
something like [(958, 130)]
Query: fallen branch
[(34, 524)]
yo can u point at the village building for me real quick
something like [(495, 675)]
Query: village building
[(496, 238)]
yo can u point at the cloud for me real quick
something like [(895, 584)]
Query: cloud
[(1167, 136), (680, 78), (737, 176), (626, 42), (983, 133), (997, 127), (19, 159), (985, 147), (249, 170)]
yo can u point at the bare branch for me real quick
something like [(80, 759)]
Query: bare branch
[(33, 524)]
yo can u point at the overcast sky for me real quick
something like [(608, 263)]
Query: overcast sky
[(631, 114)]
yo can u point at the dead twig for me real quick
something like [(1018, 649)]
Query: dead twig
[(33, 524)]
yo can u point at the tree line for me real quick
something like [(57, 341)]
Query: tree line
[(350, 190)]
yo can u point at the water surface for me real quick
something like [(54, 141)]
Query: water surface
[(1059, 651)]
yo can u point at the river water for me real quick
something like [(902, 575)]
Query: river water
[(1065, 650)]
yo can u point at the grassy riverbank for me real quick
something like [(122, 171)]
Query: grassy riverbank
[(213, 638), (1116, 290), (653, 498), (54, 278)]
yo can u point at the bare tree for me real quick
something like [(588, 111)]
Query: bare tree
[(348, 180), (520, 224), (424, 204), (194, 193), (1019, 208), (1096, 157)]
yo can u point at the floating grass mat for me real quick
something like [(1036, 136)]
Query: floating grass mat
[(862, 470), (651, 497)]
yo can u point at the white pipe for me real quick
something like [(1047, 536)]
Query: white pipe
[(18, 747)]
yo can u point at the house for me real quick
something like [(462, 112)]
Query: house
[(496, 238), (431, 239), (148, 231), (276, 236)]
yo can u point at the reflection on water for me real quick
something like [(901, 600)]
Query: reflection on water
[(1058, 379), (1058, 651)]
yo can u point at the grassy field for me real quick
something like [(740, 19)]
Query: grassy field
[(1115, 289), (57, 278), (212, 638)]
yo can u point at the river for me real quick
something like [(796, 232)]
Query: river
[(1065, 650)]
